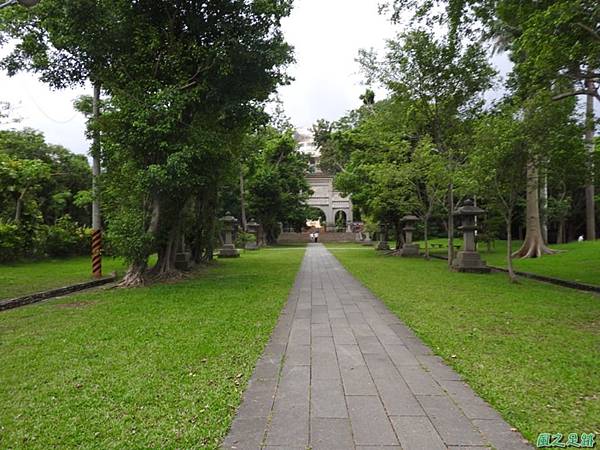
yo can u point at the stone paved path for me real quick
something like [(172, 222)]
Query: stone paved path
[(342, 372)]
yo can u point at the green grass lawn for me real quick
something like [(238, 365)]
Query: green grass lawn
[(532, 350), (155, 367), (575, 261), (30, 277)]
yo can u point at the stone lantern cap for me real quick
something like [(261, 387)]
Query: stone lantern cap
[(252, 225), (410, 218), (468, 209), (228, 218)]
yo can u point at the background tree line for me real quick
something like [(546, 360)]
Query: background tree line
[(528, 157)]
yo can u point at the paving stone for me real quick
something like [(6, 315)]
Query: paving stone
[(297, 355), (361, 330), (439, 370), (289, 421), (327, 399), (258, 398), (451, 424), (416, 346), (246, 433), (321, 329), (378, 447), (349, 356), (357, 381), (472, 405), (339, 322), (401, 355), (267, 369), (370, 424), (300, 336), (417, 433), (419, 381), (370, 344), (393, 390), (337, 313), (325, 367), (500, 436), (330, 434), (343, 336), (320, 317)]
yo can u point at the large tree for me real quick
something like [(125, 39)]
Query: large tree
[(184, 81), (444, 78)]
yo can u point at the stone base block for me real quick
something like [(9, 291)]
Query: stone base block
[(251, 246), (229, 251), (469, 262), (382, 245), (183, 261), (367, 242), (410, 250)]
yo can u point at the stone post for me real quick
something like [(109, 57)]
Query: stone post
[(409, 249), (383, 243), (252, 228), (228, 250), (183, 258), (468, 260)]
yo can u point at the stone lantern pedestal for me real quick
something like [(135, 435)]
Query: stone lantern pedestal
[(367, 240), (409, 249), (183, 258), (252, 228), (468, 259), (383, 243), (228, 250)]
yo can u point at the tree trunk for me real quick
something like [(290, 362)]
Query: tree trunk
[(560, 238), (450, 224), (136, 272), (19, 207), (509, 264), (242, 199), (533, 245), (96, 217), (426, 235), (398, 235), (165, 266), (544, 212), (135, 275), (590, 213)]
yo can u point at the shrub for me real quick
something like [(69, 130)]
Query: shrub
[(12, 243), (67, 238), (243, 238)]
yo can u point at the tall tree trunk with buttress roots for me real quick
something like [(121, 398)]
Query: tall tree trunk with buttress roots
[(533, 245), (590, 211), (137, 269)]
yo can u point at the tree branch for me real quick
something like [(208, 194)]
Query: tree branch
[(570, 94)]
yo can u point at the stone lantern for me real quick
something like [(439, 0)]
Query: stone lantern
[(183, 258), (468, 260), (252, 228), (409, 249), (383, 243), (228, 250)]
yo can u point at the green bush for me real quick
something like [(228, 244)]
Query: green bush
[(243, 238), (67, 238), (12, 243)]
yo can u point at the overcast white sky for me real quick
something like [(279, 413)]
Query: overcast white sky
[(326, 35)]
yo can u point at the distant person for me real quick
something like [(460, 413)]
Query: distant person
[(580, 238), (312, 237), (317, 236)]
